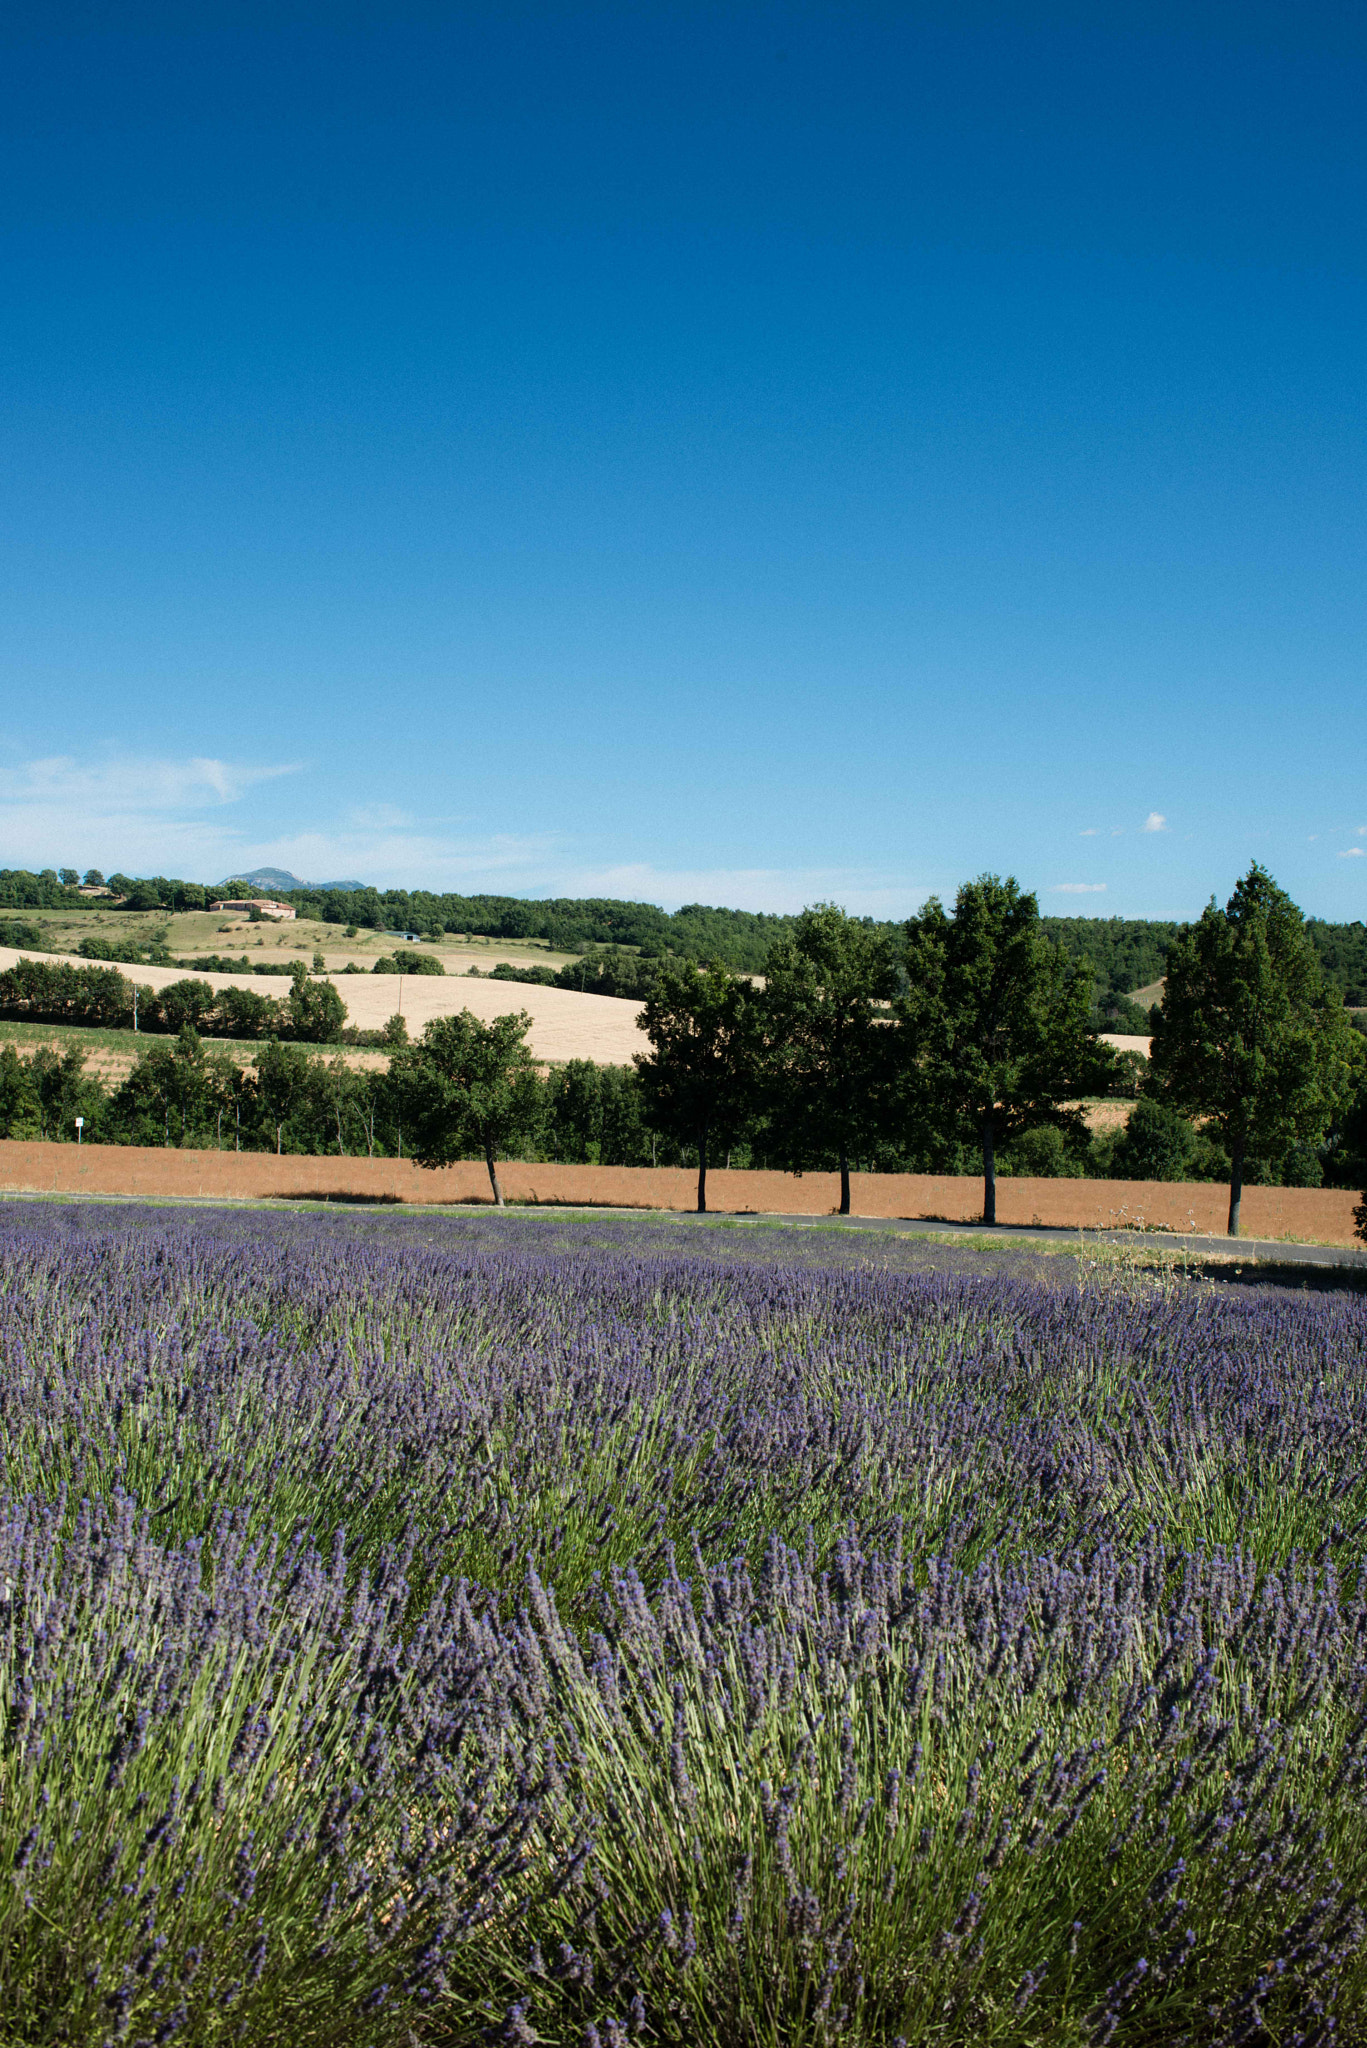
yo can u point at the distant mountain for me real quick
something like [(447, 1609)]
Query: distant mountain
[(282, 879)]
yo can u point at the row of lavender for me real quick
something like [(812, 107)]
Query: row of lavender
[(470, 1632)]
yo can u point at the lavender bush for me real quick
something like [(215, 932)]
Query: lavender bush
[(458, 1632)]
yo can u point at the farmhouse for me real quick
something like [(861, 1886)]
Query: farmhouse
[(264, 904)]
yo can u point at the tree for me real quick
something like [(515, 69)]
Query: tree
[(68, 877), (829, 1052), (622, 1136), (246, 1014), (317, 1012), (1248, 1038), (235, 1096), (574, 1113), (283, 1077), (186, 1002), (338, 1091), (166, 1098), (469, 1087), (996, 1039), (1344, 1151), (701, 1079), (1156, 1144), (94, 879), (20, 1110), (63, 1091)]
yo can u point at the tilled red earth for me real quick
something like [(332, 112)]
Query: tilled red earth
[(1322, 1215)]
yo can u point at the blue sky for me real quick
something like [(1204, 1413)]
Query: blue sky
[(742, 453)]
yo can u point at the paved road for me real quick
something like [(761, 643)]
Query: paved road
[(1263, 1251)]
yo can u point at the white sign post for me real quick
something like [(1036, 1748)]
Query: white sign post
[(80, 1126)]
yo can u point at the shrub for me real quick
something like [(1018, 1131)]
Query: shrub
[(717, 1651), (52, 992), (1156, 1144), (1045, 1152)]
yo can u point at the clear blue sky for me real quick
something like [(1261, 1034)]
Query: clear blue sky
[(750, 453)]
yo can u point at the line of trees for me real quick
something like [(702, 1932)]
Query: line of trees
[(55, 992), (973, 1033), (1123, 954), (966, 1042)]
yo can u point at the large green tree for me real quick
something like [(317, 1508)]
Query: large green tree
[(20, 1110), (469, 1087), (996, 1039), (170, 1097), (1248, 1038), (702, 1074), (829, 1052), (317, 1012), (284, 1079)]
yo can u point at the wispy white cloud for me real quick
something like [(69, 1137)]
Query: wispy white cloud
[(379, 818), (138, 813), (195, 817), (1155, 822), (1088, 832), (862, 891), (1353, 853), (1079, 889), (133, 782), (186, 817)]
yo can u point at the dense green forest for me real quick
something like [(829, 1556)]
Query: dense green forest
[(736, 938), (1124, 953)]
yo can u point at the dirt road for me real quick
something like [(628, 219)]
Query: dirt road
[(1321, 1215)]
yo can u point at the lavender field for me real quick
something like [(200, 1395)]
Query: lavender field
[(502, 1630)]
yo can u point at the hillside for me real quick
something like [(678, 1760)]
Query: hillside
[(564, 1025), (280, 881), (1125, 954)]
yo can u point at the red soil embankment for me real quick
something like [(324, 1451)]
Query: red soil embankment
[(1322, 1215)]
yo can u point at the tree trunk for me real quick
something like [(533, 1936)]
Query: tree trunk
[(844, 1180), (702, 1171), (490, 1162), (1236, 1185), (989, 1171)]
